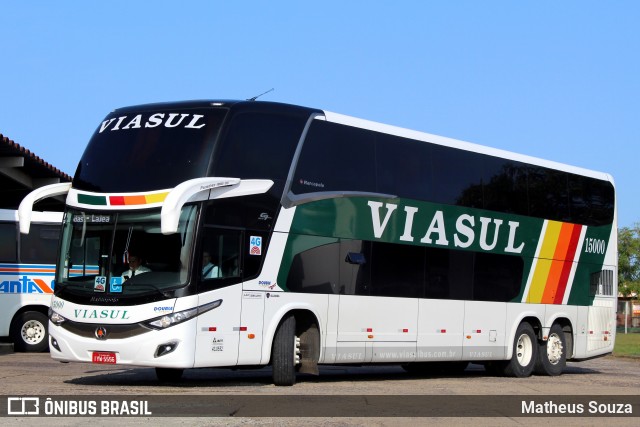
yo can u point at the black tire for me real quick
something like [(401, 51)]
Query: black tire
[(552, 354), (283, 357), (30, 332), (525, 353), (169, 375)]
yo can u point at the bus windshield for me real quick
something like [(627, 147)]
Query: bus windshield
[(135, 151), (124, 252)]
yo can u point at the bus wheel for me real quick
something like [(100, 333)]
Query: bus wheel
[(285, 354), (552, 355), (169, 375), (525, 353), (29, 332)]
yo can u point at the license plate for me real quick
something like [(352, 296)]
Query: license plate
[(107, 357)]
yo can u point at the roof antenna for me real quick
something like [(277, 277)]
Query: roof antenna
[(258, 96)]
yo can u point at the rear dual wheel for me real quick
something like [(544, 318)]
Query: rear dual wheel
[(523, 358), (552, 355)]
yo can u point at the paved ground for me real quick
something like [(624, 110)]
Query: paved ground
[(36, 374)]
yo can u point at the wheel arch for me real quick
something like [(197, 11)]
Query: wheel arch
[(567, 328), (308, 329), (41, 308)]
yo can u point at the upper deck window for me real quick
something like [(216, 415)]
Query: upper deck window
[(259, 145), (137, 151)]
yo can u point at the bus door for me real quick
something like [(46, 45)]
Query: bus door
[(219, 278), (252, 250)]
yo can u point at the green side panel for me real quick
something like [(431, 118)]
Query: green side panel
[(88, 199), (411, 222), (353, 218), (591, 262)]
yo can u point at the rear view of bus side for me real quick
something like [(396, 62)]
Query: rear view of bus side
[(273, 234)]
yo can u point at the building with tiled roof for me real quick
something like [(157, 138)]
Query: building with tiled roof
[(21, 171)]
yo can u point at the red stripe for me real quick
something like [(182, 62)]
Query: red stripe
[(568, 263), (116, 200)]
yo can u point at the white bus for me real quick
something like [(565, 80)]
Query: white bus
[(27, 268), (280, 235)]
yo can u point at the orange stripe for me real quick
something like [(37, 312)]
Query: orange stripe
[(135, 200), (544, 262), (555, 272), (43, 286)]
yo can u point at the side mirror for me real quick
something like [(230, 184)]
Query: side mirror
[(355, 258)]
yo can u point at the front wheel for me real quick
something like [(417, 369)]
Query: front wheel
[(285, 354), (29, 332), (525, 353), (552, 355)]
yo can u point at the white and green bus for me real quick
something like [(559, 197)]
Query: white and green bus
[(280, 235)]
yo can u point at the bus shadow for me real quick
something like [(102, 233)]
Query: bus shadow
[(217, 377)]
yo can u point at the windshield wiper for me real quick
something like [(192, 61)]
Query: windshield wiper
[(164, 292)]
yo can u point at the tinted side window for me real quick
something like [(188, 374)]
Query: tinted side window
[(259, 146), (8, 245), (220, 263), (505, 186), (335, 158), (40, 245), (403, 167), (592, 201), (397, 270), (497, 277), (548, 194), (457, 177), (314, 270)]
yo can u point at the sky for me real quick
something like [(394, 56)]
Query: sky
[(559, 80)]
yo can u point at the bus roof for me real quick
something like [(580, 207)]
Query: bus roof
[(374, 126)]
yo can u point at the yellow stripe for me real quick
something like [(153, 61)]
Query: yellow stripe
[(156, 197), (545, 257)]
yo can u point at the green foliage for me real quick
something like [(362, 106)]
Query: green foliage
[(629, 260)]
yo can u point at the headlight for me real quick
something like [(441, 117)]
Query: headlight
[(168, 320), (56, 318)]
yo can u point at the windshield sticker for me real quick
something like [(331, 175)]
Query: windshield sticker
[(115, 284), (99, 285), (255, 245)]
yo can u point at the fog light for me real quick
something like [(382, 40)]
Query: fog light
[(165, 348), (54, 344)]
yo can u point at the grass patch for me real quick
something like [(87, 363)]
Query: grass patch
[(627, 345)]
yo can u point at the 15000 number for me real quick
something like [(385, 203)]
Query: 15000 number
[(595, 246)]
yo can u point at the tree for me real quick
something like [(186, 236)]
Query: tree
[(629, 260)]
